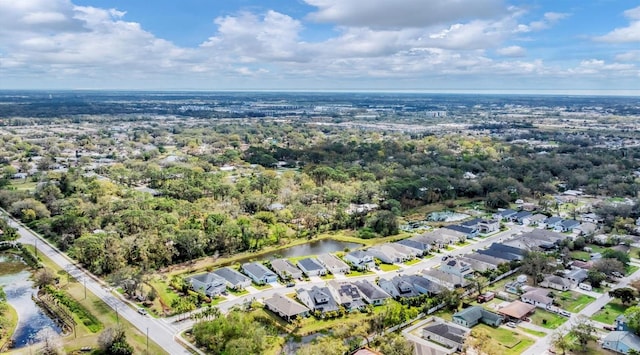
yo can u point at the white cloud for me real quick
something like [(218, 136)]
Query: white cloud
[(631, 56), (627, 34), (548, 20), (402, 13), (512, 51)]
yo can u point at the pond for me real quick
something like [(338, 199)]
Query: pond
[(446, 216), (15, 279), (315, 247)]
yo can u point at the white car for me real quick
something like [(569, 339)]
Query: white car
[(511, 325), (142, 311)]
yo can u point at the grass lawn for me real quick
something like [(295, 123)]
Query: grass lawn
[(573, 301), (355, 273), (23, 184), (166, 295), (238, 292), (609, 312), (262, 287), (104, 313), (553, 320), (11, 317), (533, 332), (630, 269), (413, 262), (513, 342), (388, 267), (596, 248), (328, 277), (580, 255)]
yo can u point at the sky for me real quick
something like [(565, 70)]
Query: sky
[(386, 45)]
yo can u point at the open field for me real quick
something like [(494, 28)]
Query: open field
[(547, 319), (609, 312), (512, 342), (573, 301)]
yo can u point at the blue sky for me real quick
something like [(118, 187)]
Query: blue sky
[(436, 45)]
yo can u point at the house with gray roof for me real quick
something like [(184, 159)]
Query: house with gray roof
[(422, 248), (422, 285), (537, 219), (317, 299), (456, 267), (444, 279), (506, 215), (259, 273), (486, 259), (360, 260), (234, 279), (285, 269), (576, 276), (398, 287), (334, 264), (285, 307), (446, 334), (387, 254), (347, 295), (468, 232), (371, 293), (567, 225), (586, 228), (311, 267), (403, 249), (210, 284), (538, 297), (473, 315), (552, 222), (556, 283), (621, 342)]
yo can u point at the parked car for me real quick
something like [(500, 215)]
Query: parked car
[(565, 313), (291, 284), (609, 328), (617, 274), (142, 311), (511, 325)]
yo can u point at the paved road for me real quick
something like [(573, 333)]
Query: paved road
[(163, 331), (158, 330), (542, 345)]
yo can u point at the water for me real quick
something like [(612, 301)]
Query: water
[(312, 248), (19, 288)]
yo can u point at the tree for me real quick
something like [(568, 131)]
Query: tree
[(479, 283), (616, 254), (625, 294), (561, 342), (396, 344), (45, 277), (583, 331), (595, 277), (384, 223), (609, 266), (113, 341), (536, 264), (481, 341), (632, 315)]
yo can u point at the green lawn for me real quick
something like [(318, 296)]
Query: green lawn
[(553, 320), (630, 269), (513, 342), (355, 273), (262, 287), (413, 262), (609, 312), (533, 332), (238, 293), (580, 255), (388, 267), (327, 277), (573, 301), (596, 248)]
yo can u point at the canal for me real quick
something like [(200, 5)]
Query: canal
[(15, 279)]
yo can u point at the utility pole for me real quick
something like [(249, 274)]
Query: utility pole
[(84, 279), (147, 340), (36, 247), (117, 316)]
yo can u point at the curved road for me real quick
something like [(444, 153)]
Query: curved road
[(165, 331)]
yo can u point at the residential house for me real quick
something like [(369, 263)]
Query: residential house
[(586, 228), (398, 287), (210, 284), (506, 215), (567, 225), (538, 297), (360, 260), (234, 279), (585, 265), (403, 249), (469, 233), (576, 276), (259, 273), (311, 267), (347, 295), (433, 238), (317, 299), (556, 283), (592, 218), (621, 342), (446, 334), (334, 264), (478, 265), (371, 293), (522, 217), (444, 279), (552, 222), (453, 236), (517, 310), (456, 267), (423, 285), (473, 315), (537, 219), (285, 269), (495, 261), (422, 248), (387, 254), (483, 225), (285, 307), (503, 251)]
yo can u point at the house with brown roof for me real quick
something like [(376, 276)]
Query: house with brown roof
[(517, 310)]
